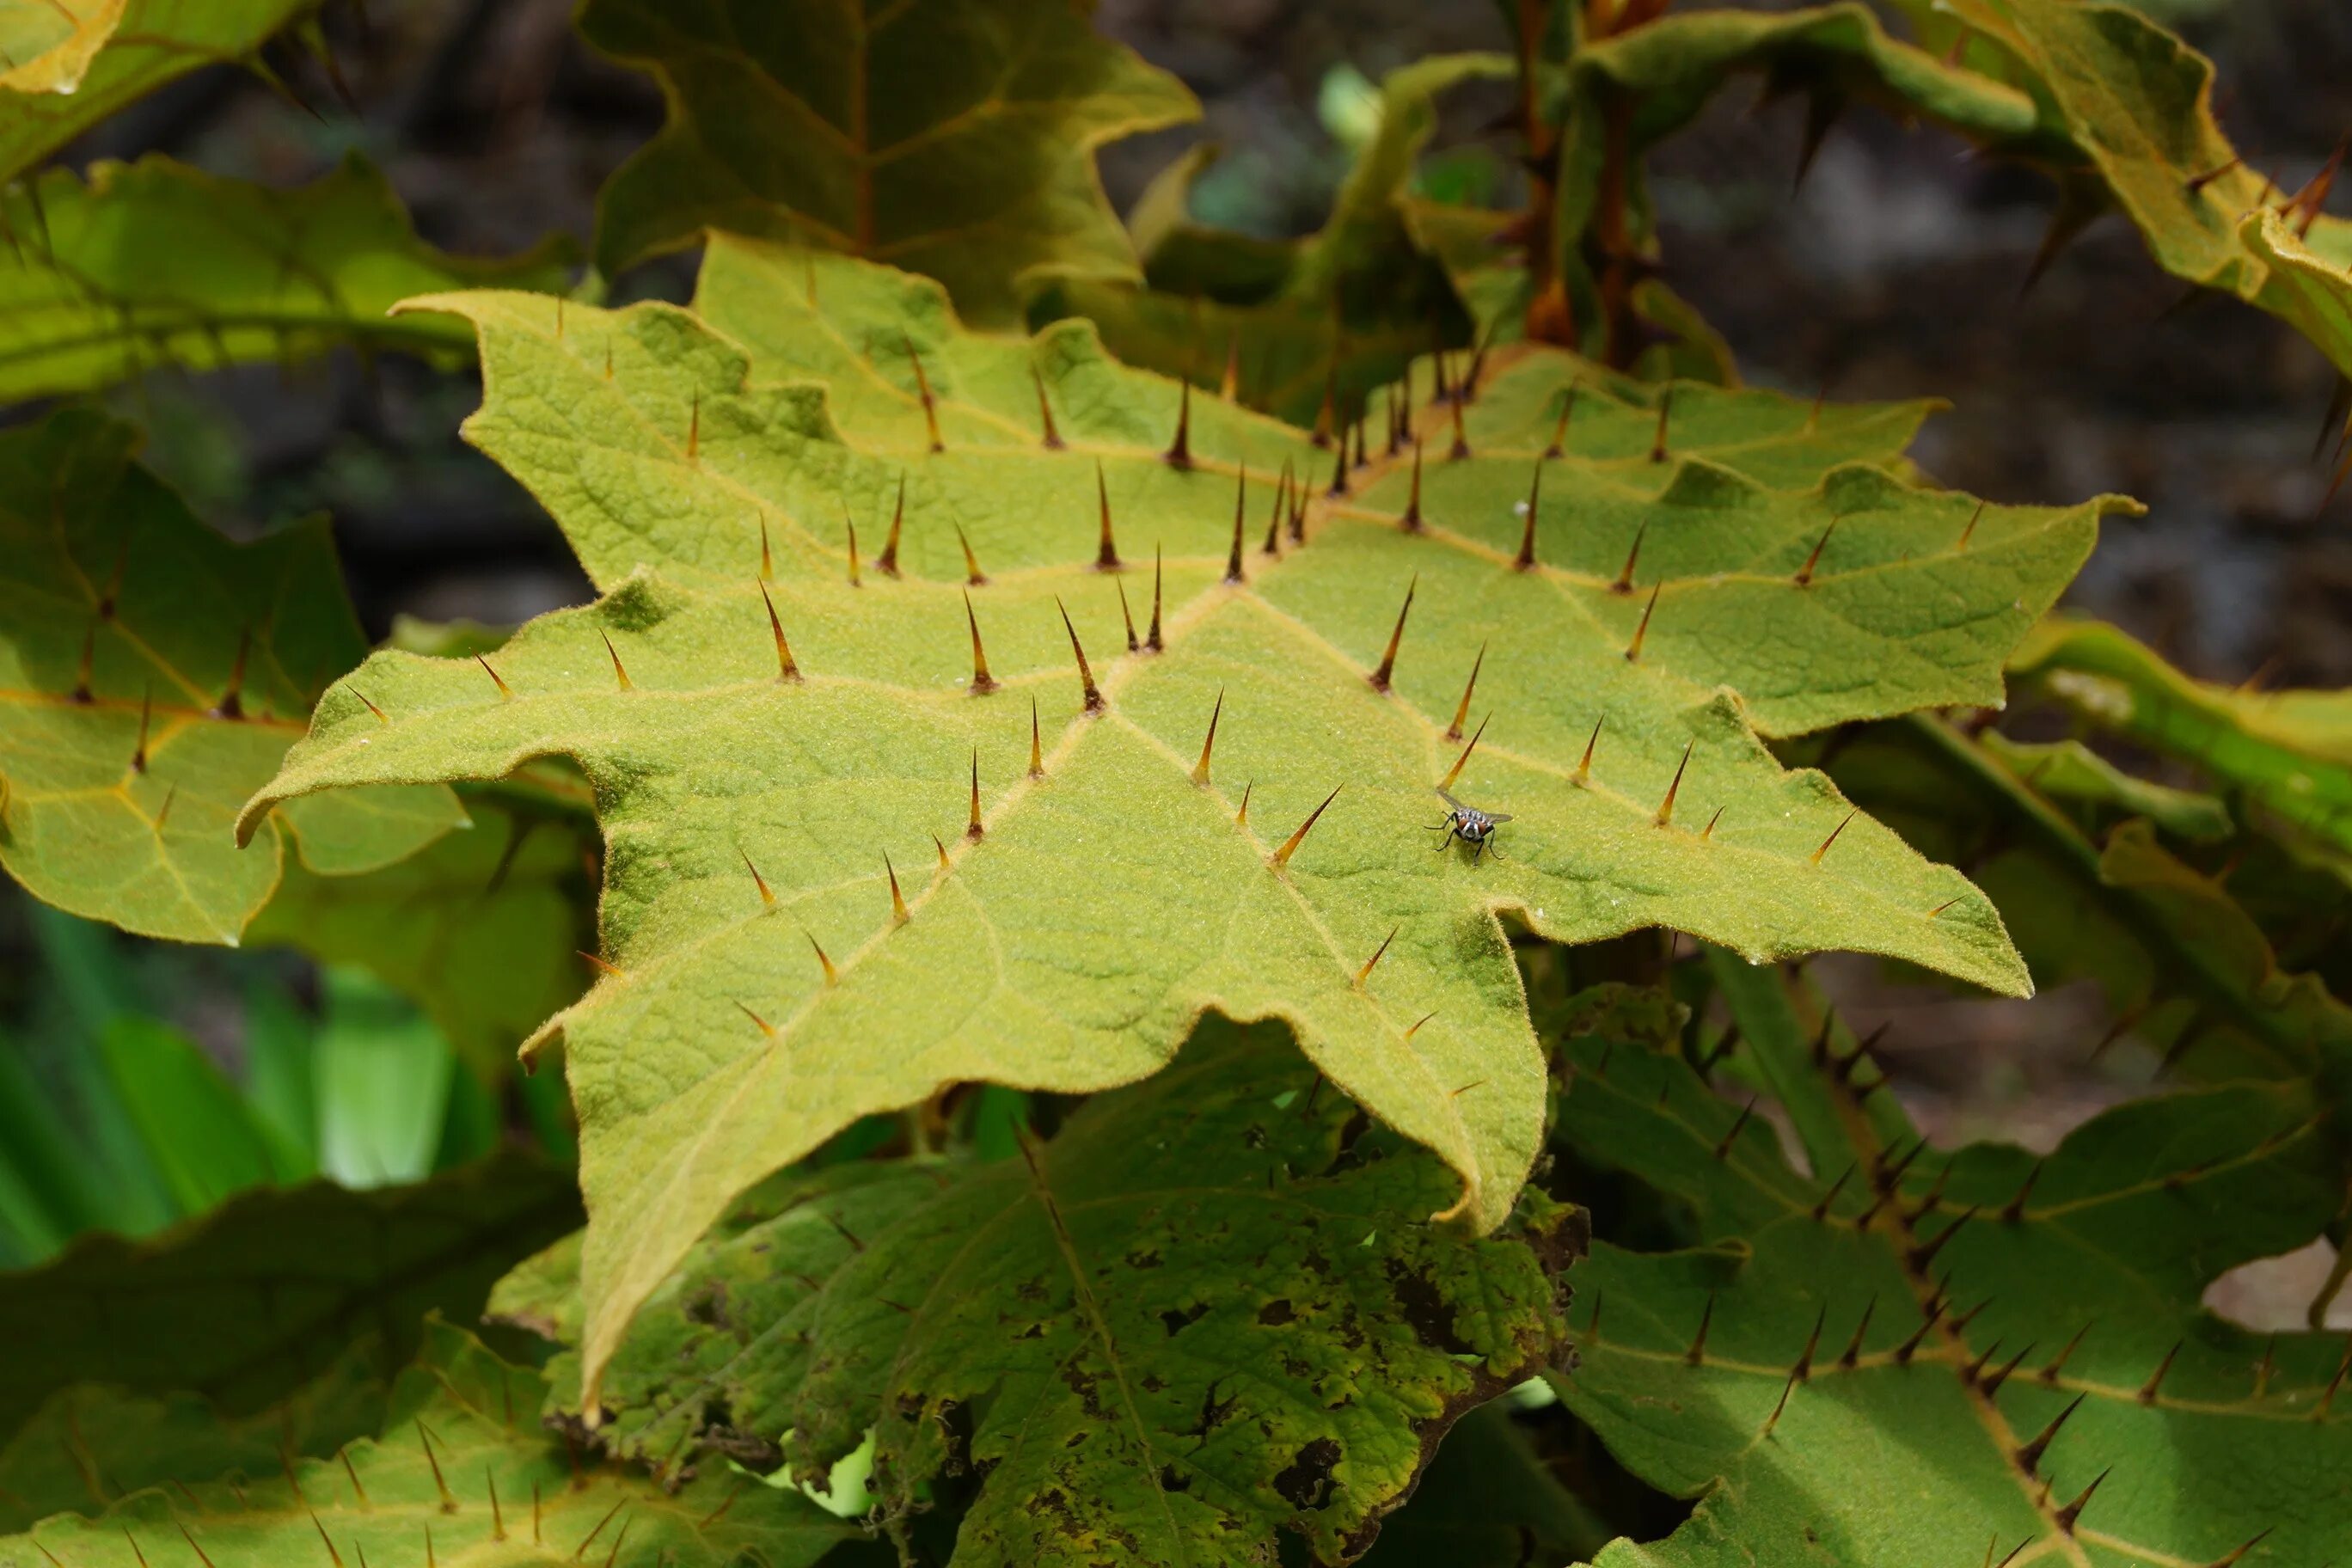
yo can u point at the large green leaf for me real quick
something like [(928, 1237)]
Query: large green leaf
[(1487, 1502), (1108, 901), (90, 1446), (952, 136), (482, 929), (2291, 751), (1206, 1313), (267, 1290), (1910, 1357), (461, 1476), (122, 616), (117, 51), (155, 263)]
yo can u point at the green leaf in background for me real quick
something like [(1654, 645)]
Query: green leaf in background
[(482, 930), (2289, 752), (2013, 1348), (139, 44), (1206, 1314), (2182, 966), (267, 1290), (206, 1142), (2127, 102), (460, 1465), (2091, 787), (795, 119), (1110, 899), (153, 674), (90, 1446), (383, 1073), (157, 264), (1339, 313), (1487, 1501)]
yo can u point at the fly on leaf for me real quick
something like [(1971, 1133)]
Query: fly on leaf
[(1470, 825)]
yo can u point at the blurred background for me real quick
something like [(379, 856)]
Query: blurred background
[(1893, 271)]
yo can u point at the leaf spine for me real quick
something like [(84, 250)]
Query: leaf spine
[(1036, 747), (1201, 768), (1658, 453), (1584, 763), (972, 829), (1816, 859), (1151, 638), (1106, 551), (1665, 817), (1461, 709), (888, 562), (1455, 771), (505, 693), (1805, 573), (1559, 432), (1092, 695), (972, 575), (767, 894), (1179, 451), (619, 674), (1525, 559), (982, 683), (786, 671), (1051, 439), (1633, 648), (1281, 857), (1371, 963), (898, 915), (1623, 585), (1379, 677), (1241, 498), (923, 389), (832, 975)]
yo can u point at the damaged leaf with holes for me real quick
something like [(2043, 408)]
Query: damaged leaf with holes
[(462, 1475), (1207, 1315), (2013, 1346), (901, 794), (152, 675)]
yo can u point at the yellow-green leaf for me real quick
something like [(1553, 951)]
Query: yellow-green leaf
[(114, 53), (951, 137), (462, 1475), (1109, 899), (2013, 1349), (152, 675), (157, 263)]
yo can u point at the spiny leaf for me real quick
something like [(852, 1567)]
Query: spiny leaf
[(481, 928), (152, 675), (140, 45), (1206, 1313), (154, 264), (1107, 900), (254, 1298), (90, 1446), (1980, 1334), (2182, 966), (951, 137), (2136, 104), (2291, 751), (462, 1475)]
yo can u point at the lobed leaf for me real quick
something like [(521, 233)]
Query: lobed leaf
[(951, 137), (460, 1476), (2290, 752), (116, 51), (1097, 903), (151, 674), (1198, 1319), (137, 265), (253, 1298), (2014, 1348)]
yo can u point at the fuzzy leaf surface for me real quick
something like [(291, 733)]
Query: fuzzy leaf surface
[(2290, 752), (950, 137), (2207, 1435), (156, 263), (461, 1466), (1207, 1313), (266, 1291), (111, 60), (1111, 901)]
